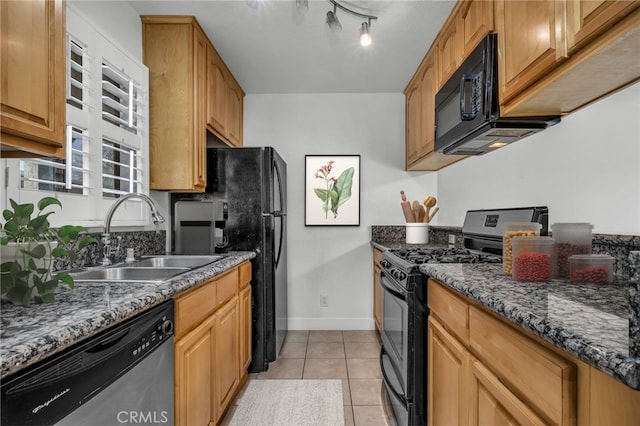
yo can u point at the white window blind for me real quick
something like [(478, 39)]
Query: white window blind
[(121, 169), (122, 99), (52, 174), (77, 73)]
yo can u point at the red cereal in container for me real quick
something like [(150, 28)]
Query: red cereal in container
[(592, 268), (570, 239), (532, 260)]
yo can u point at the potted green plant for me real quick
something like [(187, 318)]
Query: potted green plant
[(27, 276)]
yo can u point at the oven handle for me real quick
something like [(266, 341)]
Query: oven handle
[(395, 293), (395, 393)]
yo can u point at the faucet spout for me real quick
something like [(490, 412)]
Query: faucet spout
[(155, 216)]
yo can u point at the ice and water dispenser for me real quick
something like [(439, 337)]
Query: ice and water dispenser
[(199, 226)]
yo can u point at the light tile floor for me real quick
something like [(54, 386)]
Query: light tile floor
[(352, 356)]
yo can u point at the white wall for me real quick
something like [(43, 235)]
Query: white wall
[(336, 260), (585, 169)]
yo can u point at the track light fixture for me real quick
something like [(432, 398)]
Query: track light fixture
[(334, 23)]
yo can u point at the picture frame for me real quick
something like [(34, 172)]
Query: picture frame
[(339, 177)]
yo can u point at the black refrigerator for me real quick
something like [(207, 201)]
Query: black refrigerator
[(253, 182)]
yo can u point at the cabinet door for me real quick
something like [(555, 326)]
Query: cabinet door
[(531, 42), (427, 132), (234, 113), (493, 404), (377, 290), (226, 361), (216, 93), (449, 48), (476, 21), (589, 18), (245, 330), (194, 402), (412, 123), (448, 365), (32, 78), (200, 134)]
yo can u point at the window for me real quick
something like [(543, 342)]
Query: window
[(121, 171), (107, 135), (52, 174)]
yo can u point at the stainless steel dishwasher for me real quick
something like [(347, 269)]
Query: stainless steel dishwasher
[(121, 376)]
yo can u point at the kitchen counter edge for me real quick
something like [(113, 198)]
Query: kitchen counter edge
[(31, 334)]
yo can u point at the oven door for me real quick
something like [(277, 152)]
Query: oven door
[(395, 332)]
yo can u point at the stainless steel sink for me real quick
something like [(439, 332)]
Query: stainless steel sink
[(177, 261), (139, 274)]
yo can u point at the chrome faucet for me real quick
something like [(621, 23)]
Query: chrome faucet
[(106, 240)]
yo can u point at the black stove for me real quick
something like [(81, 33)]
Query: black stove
[(403, 354)]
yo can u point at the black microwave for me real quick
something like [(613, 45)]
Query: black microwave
[(467, 115)]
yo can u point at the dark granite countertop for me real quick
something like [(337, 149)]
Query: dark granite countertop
[(589, 321), (30, 334)]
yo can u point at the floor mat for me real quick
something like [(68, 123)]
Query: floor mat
[(289, 403)]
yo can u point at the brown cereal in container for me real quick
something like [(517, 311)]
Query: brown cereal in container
[(515, 229)]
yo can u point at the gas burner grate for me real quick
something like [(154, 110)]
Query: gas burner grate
[(444, 255)]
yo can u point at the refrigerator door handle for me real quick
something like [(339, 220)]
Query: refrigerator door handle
[(280, 242)]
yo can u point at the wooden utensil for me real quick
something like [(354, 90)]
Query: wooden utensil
[(418, 211), (429, 201), (433, 213), (406, 208)]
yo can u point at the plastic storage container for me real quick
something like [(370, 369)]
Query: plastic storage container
[(570, 239), (591, 268), (515, 229), (532, 258)]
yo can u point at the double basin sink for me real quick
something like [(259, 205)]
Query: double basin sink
[(146, 270)]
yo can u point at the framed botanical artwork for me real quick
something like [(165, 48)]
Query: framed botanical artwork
[(332, 190)]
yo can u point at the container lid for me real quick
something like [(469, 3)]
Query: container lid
[(521, 225), (591, 257)]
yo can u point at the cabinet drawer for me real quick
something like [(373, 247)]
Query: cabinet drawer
[(193, 308), (452, 311), (245, 274), (227, 286), (544, 380)]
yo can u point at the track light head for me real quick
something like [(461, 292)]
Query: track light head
[(333, 22), (365, 37)]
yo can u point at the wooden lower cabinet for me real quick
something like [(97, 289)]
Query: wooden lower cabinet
[(245, 330), (484, 370), (194, 363), (212, 347), (448, 365), (493, 404), (377, 290), (226, 356)]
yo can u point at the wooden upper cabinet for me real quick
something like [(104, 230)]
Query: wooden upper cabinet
[(531, 42), (412, 122), (234, 114), (32, 78), (449, 49), (216, 92), (225, 101), (476, 21), (587, 19), (174, 50)]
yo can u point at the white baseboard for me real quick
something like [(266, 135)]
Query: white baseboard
[(331, 324)]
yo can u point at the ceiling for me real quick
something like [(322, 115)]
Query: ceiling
[(272, 47)]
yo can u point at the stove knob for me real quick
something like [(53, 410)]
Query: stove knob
[(385, 263)]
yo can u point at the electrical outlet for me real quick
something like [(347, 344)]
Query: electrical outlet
[(452, 239), (324, 300)]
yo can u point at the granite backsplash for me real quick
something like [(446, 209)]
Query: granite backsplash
[(618, 246), (143, 243)]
